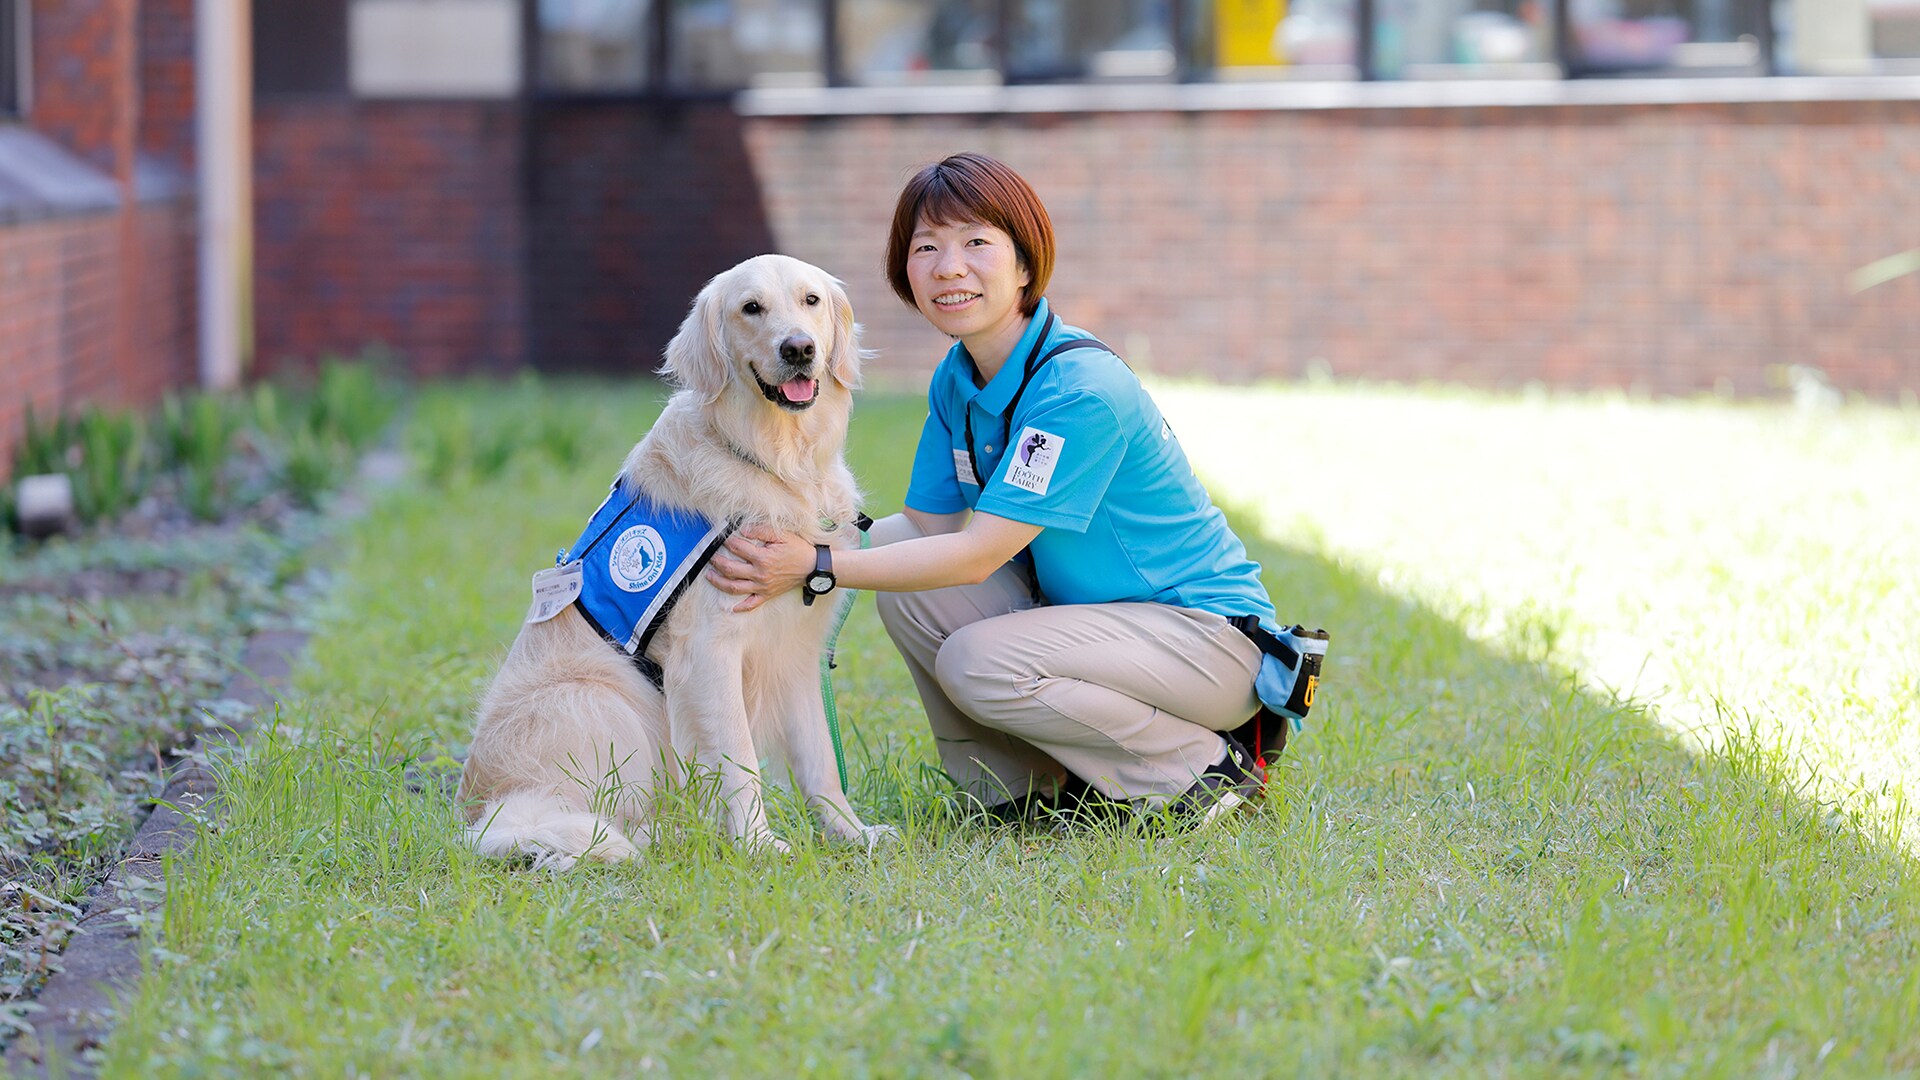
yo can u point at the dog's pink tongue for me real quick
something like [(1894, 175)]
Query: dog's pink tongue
[(799, 390)]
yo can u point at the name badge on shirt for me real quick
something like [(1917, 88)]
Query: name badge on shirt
[(963, 468), (1030, 465)]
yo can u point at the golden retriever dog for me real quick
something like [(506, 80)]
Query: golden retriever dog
[(572, 739)]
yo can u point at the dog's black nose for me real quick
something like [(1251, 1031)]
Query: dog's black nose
[(797, 350)]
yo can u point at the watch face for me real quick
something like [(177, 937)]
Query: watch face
[(819, 583)]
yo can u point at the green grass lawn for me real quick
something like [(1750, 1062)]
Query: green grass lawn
[(1605, 779)]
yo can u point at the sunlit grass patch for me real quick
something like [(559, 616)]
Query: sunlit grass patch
[(1472, 864), (1748, 568)]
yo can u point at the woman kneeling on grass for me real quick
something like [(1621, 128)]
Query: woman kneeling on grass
[(1059, 582)]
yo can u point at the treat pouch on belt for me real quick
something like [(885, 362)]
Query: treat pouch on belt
[(1289, 678), (627, 570)]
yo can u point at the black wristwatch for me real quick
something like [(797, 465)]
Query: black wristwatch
[(821, 581)]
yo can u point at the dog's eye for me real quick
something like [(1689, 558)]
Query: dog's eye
[(812, 299), (752, 307)]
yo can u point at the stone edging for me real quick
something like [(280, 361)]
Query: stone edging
[(102, 960)]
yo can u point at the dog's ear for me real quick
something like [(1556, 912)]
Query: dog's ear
[(844, 364), (695, 359)]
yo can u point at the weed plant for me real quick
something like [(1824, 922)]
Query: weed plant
[(43, 448), (197, 436), (1477, 861), (218, 452), (115, 464)]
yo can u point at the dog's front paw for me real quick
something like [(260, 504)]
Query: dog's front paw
[(875, 836)]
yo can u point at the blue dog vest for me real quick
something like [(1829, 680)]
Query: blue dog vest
[(636, 557)]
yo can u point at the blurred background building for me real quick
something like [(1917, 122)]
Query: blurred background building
[(1668, 194)]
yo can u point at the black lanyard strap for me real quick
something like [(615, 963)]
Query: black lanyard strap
[(1035, 362)]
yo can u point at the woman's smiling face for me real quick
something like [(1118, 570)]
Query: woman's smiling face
[(968, 279)]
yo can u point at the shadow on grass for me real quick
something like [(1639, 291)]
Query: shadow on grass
[(1554, 844)]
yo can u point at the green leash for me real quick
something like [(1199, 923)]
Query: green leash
[(843, 609)]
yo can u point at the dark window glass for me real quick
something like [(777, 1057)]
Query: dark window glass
[(1439, 39), (13, 46), (1090, 39), (1671, 37), (299, 47), (900, 41), (722, 44), (595, 45)]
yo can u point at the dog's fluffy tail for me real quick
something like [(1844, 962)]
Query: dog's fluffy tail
[(546, 827)]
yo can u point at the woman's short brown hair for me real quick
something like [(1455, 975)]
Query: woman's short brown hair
[(966, 188)]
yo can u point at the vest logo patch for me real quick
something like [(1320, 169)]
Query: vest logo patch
[(638, 558), (1034, 456)]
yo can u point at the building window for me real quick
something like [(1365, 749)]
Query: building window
[(1090, 39), (723, 44), (1444, 39), (1850, 37), (888, 42), (434, 48), (14, 57), (1268, 39), (299, 48), (1677, 37), (589, 46)]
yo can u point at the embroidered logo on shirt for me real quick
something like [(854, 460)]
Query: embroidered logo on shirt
[(963, 468), (638, 558), (1035, 454)]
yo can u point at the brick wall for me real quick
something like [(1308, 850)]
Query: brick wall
[(634, 208), (1671, 247), (62, 284), (1677, 248), (97, 305), (393, 223), (166, 81), (407, 224), (83, 77)]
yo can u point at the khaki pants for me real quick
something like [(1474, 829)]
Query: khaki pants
[(1129, 697)]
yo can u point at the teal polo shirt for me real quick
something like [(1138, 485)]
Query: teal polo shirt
[(1087, 456)]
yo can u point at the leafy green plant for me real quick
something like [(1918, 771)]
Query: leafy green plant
[(442, 438), (266, 412), (494, 449), (196, 437), (312, 465), (43, 448), (114, 465), (351, 402), (562, 437)]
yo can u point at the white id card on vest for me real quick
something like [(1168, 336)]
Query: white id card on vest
[(963, 468), (553, 589)]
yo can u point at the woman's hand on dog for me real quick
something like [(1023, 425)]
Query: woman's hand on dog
[(759, 562)]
